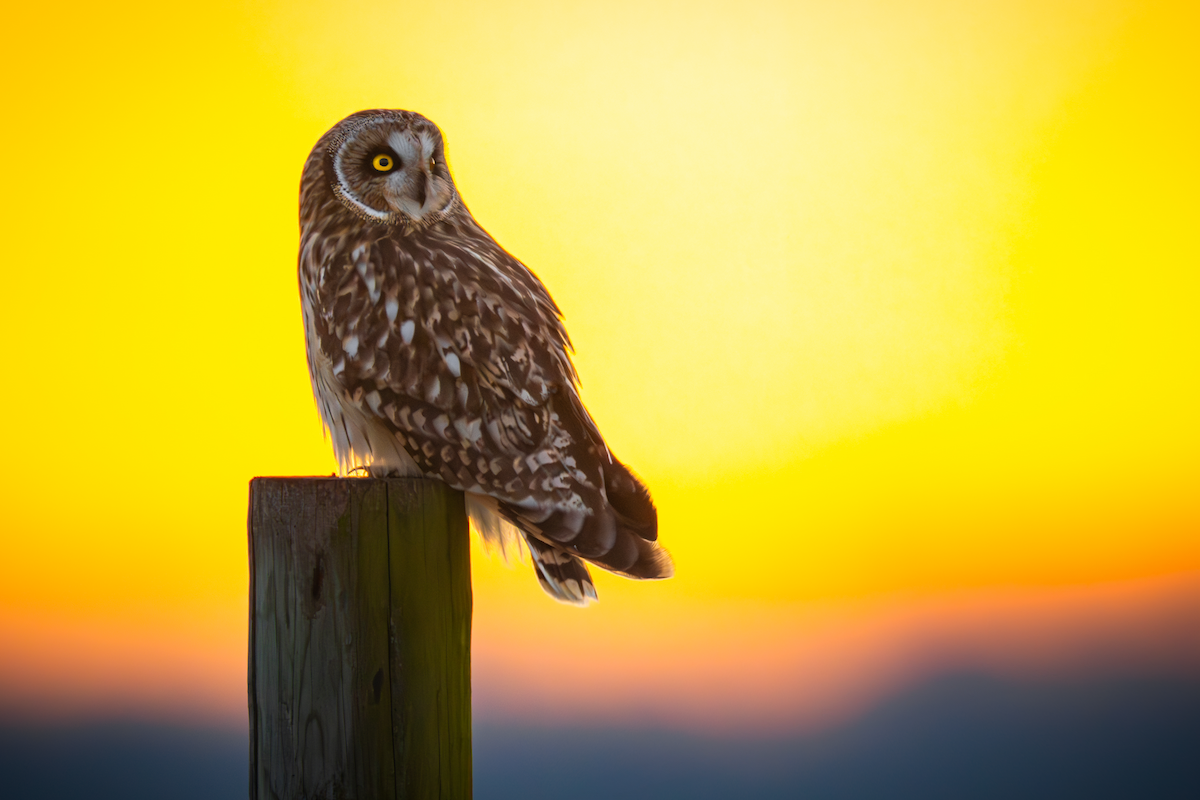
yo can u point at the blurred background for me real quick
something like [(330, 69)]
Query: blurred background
[(892, 304)]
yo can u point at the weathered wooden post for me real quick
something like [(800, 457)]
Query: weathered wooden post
[(360, 640)]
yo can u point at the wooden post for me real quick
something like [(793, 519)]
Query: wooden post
[(360, 640)]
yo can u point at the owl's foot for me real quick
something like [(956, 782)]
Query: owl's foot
[(375, 471)]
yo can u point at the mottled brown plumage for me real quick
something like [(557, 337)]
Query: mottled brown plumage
[(434, 352)]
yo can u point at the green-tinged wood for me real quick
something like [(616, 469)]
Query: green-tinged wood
[(359, 663), (431, 638)]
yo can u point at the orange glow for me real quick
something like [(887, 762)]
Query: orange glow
[(883, 300), (713, 665), (178, 665), (754, 665)]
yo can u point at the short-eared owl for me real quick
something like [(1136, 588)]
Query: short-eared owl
[(434, 352)]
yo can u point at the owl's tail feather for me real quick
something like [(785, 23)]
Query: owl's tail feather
[(653, 562), (631, 501), (563, 576), (635, 552), (604, 538), (623, 536), (617, 530)]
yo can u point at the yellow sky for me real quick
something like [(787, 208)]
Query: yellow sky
[(878, 297)]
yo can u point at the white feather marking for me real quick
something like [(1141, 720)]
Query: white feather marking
[(392, 307), (407, 329), (452, 363), (405, 146), (440, 424), (527, 503), (469, 430)]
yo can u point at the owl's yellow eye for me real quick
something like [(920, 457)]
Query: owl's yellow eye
[(383, 163)]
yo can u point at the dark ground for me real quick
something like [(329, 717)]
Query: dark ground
[(960, 736)]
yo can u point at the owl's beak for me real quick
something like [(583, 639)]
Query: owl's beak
[(410, 198), (422, 184), (421, 195)]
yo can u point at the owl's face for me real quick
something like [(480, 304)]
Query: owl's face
[(390, 166)]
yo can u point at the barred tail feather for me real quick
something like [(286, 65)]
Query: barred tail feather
[(563, 576), (620, 535)]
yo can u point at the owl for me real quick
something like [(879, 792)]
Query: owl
[(434, 352)]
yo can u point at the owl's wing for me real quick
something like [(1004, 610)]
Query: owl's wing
[(459, 350)]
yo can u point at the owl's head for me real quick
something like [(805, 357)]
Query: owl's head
[(389, 167)]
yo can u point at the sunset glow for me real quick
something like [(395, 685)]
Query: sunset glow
[(893, 306)]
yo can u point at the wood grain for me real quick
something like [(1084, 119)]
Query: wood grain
[(360, 627)]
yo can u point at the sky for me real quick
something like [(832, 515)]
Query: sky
[(892, 305)]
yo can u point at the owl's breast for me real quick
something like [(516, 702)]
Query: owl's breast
[(345, 317), (361, 438)]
